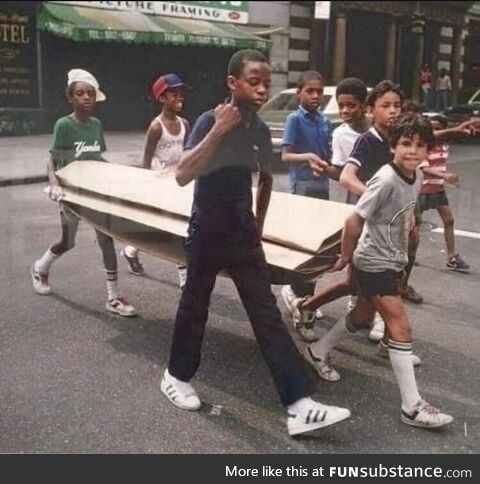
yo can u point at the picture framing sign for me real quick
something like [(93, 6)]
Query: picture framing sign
[(232, 12)]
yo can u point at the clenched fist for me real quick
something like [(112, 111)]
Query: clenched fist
[(227, 117)]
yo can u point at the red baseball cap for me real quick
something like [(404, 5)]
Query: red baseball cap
[(168, 81)]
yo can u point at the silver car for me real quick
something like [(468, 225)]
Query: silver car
[(276, 110)]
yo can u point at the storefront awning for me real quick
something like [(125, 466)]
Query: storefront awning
[(86, 24)]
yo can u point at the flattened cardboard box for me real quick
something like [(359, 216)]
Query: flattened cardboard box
[(137, 206)]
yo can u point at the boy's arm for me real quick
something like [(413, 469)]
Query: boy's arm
[(449, 177), (466, 128), (264, 191), (194, 162), (317, 165), (52, 178), (350, 180), (350, 235), (265, 178), (187, 130), (154, 133)]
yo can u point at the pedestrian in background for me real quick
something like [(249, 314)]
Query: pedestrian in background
[(426, 85), (443, 86)]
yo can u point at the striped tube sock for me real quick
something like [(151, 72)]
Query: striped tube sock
[(112, 284), (322, 348), (43, 264), (400, 354)]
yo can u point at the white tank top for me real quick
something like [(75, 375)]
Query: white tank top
[(169, 149)]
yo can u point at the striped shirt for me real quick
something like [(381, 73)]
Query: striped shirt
[(436, 161)]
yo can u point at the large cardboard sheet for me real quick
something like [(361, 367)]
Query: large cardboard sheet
[(301, 235)]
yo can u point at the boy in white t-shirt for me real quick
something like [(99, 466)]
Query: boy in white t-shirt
[(351, 94), (166, 138)]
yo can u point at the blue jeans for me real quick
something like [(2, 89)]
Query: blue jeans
[(442, 99)]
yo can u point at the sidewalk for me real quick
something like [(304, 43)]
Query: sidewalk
[(23, 159)]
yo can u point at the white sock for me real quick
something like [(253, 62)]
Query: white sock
[(322, 348), (302, 406), (401, 359), (112, 284), (131, 251), (43, 264)]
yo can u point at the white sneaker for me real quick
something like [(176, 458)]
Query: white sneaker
[(40, 282), (378, 329), (316, 417), (180, 393), (417, 361), (120, 306), (182, 276), (324, 366), (304, 322), (426, 416)]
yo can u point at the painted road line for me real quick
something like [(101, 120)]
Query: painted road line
[(460, 233)]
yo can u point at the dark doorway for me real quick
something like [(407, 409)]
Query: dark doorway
[(366, 33), (125, 73)]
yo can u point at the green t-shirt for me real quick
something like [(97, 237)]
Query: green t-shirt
[(73, 141)]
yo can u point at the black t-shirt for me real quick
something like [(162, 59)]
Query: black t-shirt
[(370, 152), (238, 154)]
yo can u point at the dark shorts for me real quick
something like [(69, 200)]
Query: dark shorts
[(430, 201), (386, 283)]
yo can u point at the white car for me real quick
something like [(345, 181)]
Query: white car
[(275, 111)]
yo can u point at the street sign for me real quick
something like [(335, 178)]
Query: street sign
[(322, 10)]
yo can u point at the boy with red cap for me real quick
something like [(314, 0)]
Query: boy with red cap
[(166, 138)]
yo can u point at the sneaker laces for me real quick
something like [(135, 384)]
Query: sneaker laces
[(42, 276), (120, 300), (329, 363), (429, 409)]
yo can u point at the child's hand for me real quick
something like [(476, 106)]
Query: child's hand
[(340, 264), (469, 127), (55, 192), (227, 117), (317, 165), (452, 178)]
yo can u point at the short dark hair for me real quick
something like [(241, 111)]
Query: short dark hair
[(240, 58), (408, 125), (382, 88), (411, 106), (353, 86), (308, 76)]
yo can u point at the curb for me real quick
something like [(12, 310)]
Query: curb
[(23, 181)]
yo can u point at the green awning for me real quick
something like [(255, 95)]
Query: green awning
[(88, 24)]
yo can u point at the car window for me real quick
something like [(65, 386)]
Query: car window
[(289, 102), (282, 102)]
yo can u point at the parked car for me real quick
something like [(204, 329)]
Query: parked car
[(462, 112), (275, 111)]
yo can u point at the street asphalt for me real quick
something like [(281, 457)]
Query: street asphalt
[(76, 379)]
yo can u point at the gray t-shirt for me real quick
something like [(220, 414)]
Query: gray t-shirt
[(387, 206)]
